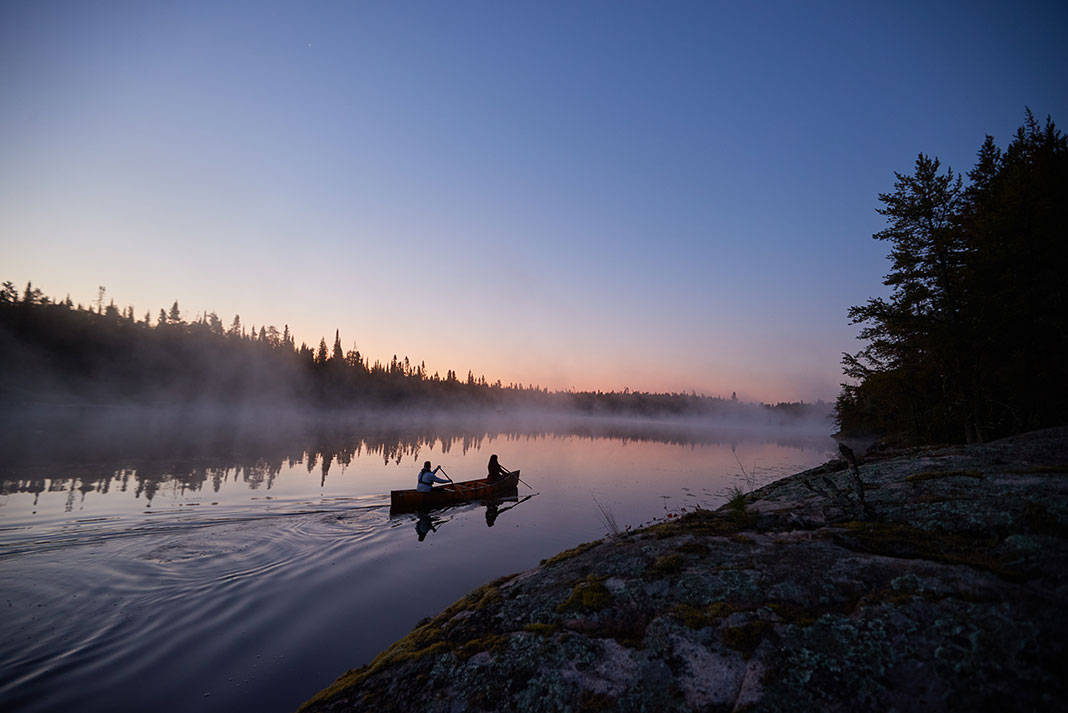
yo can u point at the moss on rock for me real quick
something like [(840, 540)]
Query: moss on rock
[(589, 595), (568, 554), (747, 637)]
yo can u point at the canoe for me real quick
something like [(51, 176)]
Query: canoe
[(462, 492)]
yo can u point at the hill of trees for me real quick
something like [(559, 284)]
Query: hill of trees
[(973, 340), (59, 354)]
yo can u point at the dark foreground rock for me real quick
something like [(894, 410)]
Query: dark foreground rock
[(946, 590)]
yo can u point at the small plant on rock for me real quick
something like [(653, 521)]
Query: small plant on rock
[(737, 510)]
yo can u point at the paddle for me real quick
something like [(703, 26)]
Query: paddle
[(521, 480), (453, 483), (525, 498)]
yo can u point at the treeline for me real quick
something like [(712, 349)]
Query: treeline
[(58, 353), (972, 342)]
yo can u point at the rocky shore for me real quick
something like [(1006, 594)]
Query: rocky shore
[(937, 581)]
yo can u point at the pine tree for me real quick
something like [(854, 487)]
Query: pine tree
[(175, 315), (215, 324), (972, 341), (1019, 293), (338, 354)]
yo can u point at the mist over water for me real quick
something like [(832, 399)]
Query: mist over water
[(33, 433), (151, 562)]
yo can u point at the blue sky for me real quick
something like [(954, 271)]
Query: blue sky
[(660, 196)]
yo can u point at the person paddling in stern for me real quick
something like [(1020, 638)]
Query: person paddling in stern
[(427, 478), (496, 470)]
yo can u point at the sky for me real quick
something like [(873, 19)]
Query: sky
[(660, 196)]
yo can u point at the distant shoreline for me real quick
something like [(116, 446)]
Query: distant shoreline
[(70, 432)]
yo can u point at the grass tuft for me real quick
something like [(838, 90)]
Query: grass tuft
[(607, 518), (737, 510)]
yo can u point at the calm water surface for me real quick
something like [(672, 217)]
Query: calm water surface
[(199, 581)]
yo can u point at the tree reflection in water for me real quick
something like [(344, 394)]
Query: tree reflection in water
[(83, 451)]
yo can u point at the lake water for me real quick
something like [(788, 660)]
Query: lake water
[(219, 576)]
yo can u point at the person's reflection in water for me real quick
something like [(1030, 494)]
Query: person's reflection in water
[(424, 525), (494, 509)]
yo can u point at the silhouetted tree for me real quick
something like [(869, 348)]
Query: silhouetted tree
[(175, 315), (1017, 285), (971, 340), (214, 323), (32, 295), (916, 334), (338, 354)]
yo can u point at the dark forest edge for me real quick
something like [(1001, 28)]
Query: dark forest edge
[(63, 358), (972, 342)]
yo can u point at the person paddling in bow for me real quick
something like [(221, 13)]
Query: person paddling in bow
[(427, 478)]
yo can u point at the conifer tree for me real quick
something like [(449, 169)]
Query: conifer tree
[(972, 341), (338, 354), (175, 315), (1017, 281)]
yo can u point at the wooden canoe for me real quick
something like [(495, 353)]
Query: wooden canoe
[(464, 491)]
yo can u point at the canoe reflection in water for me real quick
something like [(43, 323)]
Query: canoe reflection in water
[(427, 521)]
